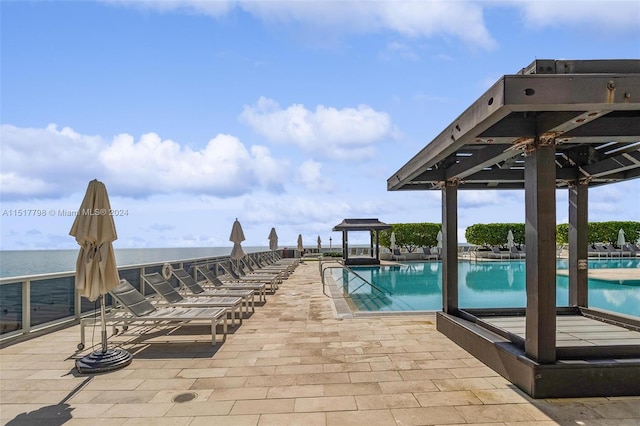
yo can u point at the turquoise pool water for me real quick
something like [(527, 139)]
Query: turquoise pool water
[(417, 286)]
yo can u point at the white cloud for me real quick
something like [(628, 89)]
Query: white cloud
[(414, 19), (45, 162), (348, 133), (51, 163), (310, 175), (214, 8), (612, 15)]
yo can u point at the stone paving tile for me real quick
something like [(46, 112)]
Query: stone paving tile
[(325, 404), (295, 391), (443, 399), (290, 363), (361, 417), (239, 420), (427, 416), (494, 413), (265, 406), (398, 400), (295, 419)]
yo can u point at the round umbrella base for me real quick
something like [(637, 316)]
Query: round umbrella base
[(101, 362)]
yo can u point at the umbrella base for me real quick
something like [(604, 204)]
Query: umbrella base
[(101, 362)]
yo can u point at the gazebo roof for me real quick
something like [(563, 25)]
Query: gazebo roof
[(590, 109), (361, 225)]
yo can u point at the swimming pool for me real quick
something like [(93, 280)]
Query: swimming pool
[(417, 286)]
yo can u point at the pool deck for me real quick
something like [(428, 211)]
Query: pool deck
[(609, 274), (291, 362)]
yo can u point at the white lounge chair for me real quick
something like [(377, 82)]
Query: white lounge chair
[(166, 291), (139, 310)]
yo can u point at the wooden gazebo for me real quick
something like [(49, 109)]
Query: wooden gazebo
[(553, 125), (372, 226)]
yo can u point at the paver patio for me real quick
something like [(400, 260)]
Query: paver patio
[(293, 362)]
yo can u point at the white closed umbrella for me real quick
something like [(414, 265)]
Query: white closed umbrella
[(237, 237), (439, 238), (509, 239), (273, 239), (393, 241), (300, 246), (621, 240), (96, 270), (319, 243)]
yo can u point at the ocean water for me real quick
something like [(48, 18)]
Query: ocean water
[(31, 262)]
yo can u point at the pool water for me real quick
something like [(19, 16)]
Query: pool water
[(417, 286)]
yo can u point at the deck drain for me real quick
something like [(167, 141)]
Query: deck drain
[(185, 397)]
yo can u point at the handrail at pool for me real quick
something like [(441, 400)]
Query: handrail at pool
[(336, 265)]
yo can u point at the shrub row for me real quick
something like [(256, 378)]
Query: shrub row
[(414, 235)]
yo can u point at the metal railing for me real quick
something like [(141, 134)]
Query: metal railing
[(353, 275), (32, 305)]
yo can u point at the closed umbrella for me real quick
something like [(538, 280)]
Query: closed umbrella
[(392, 244), (439, 238), (96, 270), (237, 237), (621, 239), (509, 239), (300, 246), (319, 243), (273, 239)]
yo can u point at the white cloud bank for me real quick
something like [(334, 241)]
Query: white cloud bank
[(51, 163), (414, 19), (347, 134), (462, 20)]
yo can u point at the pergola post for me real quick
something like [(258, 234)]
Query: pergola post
[(540, 233), (578, 241), (450, 247)]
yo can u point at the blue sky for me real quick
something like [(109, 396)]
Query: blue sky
[(283, 114)]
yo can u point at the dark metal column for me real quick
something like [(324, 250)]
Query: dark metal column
[(578, 240), (540, 232), (450, 247)]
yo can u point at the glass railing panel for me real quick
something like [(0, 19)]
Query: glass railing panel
[(52, 299), (11, 302)]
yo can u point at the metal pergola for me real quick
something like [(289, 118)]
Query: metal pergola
[(555, 124), (373, 227)]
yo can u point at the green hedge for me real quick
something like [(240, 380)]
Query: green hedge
[(411, 235), (602, 232), (414, 235), (494, 234)]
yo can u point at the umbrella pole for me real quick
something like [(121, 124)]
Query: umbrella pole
[(104, 359), (103, 324)]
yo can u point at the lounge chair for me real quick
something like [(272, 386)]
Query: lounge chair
[(427, 254), (365, 252), (165, 290), (139, 310), (623, 252), (216, 283), (245, 265), (496, 253), (187, 281), (272, 280), (592, 251), (613, 252), (603, 250), (353, 252), (264, 263), (633, 249), (514, 253), (397, 255)]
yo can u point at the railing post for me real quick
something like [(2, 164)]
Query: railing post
[(26, 306)]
